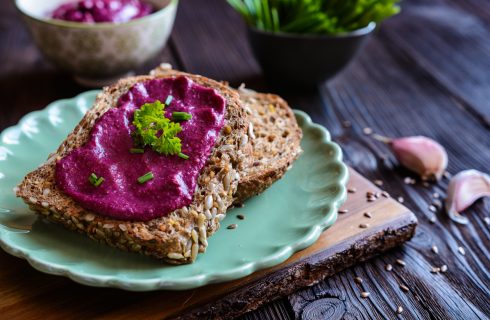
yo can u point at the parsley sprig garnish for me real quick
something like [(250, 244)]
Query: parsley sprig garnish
[(153, 129)]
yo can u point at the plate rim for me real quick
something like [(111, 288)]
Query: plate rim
[(278, 256)]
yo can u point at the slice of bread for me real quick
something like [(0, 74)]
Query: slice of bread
[(275, 137), (177, 237)]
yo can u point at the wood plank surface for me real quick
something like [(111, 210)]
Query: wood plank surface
[(424, 72)]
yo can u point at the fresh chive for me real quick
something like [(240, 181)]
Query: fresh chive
[(96, 181), (136, 150), (183, 156), (92, 178), (99, 182), (181, 116), (144, 178), (169, 99)]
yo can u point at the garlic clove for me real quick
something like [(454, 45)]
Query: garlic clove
[(464, 189), (424, 156)]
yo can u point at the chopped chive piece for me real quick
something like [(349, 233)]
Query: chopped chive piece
[(181, 116), (169, 99), (92, 178), (99, 182), (145, 177), (136, 150), (183, 156), (96, 181)]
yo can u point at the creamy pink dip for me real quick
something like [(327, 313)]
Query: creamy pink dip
[(106, 154)]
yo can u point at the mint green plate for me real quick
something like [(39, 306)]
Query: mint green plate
[(286, 218)]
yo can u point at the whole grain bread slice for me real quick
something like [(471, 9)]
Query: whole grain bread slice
[(177, 237), (275, 137)]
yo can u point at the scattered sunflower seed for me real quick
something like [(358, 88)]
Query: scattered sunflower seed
[(437, 203), (443, 268), (378, 182), (364, 294), (432, 208), (404, 288), (363, 225), (436, 195), (371, 199), (435, 249), (351, 190), (369, 194), (232, 226), (400, 262), (367, 131), (385, 194), (462, 250), (358, 280), (487, 220), (388, 267), (400, 199), (368, 214), (399, 310), (433, 219), (435, 270), (409, 180), (343, 211), (240, 216)]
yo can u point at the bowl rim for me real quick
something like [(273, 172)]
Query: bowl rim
[(348, 34), (102, 25)]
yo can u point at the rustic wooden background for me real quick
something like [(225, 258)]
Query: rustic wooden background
[(426, 71)]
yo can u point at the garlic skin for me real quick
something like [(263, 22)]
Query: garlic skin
[(422, 155), (464, 189)]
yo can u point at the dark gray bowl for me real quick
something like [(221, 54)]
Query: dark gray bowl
[(305, 60)]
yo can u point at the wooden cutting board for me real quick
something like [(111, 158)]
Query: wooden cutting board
[(27, 293)]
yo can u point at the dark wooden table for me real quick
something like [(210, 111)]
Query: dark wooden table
[(427, 71)]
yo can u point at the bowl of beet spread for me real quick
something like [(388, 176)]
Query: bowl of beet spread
[(99, 41)]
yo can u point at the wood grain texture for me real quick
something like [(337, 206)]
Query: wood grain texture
[(425, 72)]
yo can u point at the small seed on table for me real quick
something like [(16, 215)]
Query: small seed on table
[(435, 270), (432, 208), (435, 249), (367, 131), (389, 267), (401, 200), (232, 226), (462, 251), (240, 216), (432, 219), (363, 225), (404, 288), (399, 310), (351, 190), (343, 211), (367, 214), (400, 262), (385, 194), (443, 268), (358, 280), (364, 294), (436, 195), (487, 220), (378, 182)]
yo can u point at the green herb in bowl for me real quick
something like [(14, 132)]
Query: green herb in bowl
[(326, 17)]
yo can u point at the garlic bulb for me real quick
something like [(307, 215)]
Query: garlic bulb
[(420, 154), (464, 189)]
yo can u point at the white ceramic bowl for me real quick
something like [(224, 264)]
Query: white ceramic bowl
[(97, 54)]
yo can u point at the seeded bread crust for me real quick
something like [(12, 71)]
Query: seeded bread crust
[(275, 137), (176, 238)]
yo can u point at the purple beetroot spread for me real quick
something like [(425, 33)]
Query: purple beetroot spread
[(107, 154), (94, 11)]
